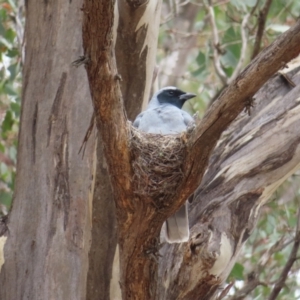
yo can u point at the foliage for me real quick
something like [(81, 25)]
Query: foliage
[(269, 247), (10, 88)]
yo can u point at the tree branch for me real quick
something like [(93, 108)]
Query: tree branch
[(254, 156), (292, 258), (253, 280), (140, 217), (103, 80), (136, 259), (262, 18), (232, 101), (247, 289), (111, 121), (244, 48), (216, 45)]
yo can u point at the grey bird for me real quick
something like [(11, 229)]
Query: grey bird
[(164, 115)]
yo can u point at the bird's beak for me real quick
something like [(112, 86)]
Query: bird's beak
[(186, 96)]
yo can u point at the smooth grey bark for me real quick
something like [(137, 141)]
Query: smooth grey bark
[(48, 230), (49, 76), (103, 231)]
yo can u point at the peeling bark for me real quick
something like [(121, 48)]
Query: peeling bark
[(253, 157), (137, 35)]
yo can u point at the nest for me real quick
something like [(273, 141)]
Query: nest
[(157, 164)]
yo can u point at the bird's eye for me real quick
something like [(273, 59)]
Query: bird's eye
[(171, 93)]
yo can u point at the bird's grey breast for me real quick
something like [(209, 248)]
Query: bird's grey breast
[(164, 119)]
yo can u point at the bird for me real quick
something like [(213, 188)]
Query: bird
[(164, 115)]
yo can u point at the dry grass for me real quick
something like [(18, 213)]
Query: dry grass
[(157, 164)]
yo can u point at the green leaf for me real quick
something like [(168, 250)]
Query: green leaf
[(5, 198), (5, 42), (237, 272), (2, 29), (229, 60), (10, 90), (8, 121), (201, 74), (230, 36), (201, 58), (13, 52), (3, 15), (13, 153), (3, 170), (15, 107), (10, 35), (279, 257), (14, 70), (201, 61)]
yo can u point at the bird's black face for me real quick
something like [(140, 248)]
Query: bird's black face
[(174, 96)]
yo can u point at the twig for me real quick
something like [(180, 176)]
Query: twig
[(244, 48), (278, 246), (82, 60), (216, 45), (284, 9), (292, 258), (247, 289), (253, 281), (261, 27), (173, 12), (226, 290), (87, 134)]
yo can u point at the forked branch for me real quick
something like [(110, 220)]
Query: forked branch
[(140, 221)]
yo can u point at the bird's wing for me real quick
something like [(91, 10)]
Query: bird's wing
[(137, 121), (187, 118)]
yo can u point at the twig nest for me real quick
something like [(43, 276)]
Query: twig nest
[(157, 164)]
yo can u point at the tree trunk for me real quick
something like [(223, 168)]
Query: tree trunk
[(56, 116), (49, 227), (136, 32)]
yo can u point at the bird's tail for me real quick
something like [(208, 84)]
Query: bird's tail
[(177, 226)]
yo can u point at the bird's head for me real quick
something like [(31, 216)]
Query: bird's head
[(174, 96)]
